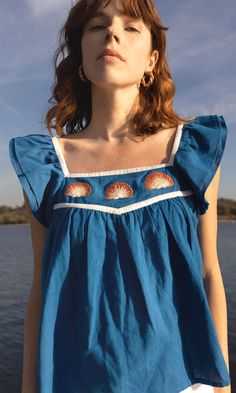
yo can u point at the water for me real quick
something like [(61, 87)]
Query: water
[(226, 256), (16, 271)]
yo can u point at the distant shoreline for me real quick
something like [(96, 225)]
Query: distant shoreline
[(226, 219), (226, 210), (220, 219)]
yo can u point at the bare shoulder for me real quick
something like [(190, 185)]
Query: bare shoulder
[(79, 140)]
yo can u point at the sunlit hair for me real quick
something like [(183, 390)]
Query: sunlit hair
[(71, 97)]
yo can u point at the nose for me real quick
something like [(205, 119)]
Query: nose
[(111, 32)]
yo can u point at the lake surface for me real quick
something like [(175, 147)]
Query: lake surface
[(16, 271)]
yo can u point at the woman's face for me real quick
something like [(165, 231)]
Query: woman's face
[(128, 36)]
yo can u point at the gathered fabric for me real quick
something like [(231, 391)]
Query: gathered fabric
[(124, 308)]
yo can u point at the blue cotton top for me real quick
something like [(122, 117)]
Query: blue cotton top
[(124, 308)]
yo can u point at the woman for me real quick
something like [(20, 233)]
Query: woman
[(124, 238)]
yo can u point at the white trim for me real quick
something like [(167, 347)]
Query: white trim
[(120, 210), (198, 388), (176, 143), (60, 156), (117, 171)]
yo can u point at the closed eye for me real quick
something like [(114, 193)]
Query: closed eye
[(95, 27), (101, 26), (131, 27)]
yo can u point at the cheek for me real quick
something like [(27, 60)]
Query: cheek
[(89, 45), (139, 46), (88, 53), (138, 56)]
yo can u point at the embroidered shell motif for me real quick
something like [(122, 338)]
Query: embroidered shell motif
[(78, 189), (156, 180), (119, 190)]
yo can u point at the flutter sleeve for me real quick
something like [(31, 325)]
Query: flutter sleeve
[(32, 158), (199, 154)]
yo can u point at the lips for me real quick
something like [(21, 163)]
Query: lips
[(111, 52)]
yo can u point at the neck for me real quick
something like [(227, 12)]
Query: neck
[(112, 113)]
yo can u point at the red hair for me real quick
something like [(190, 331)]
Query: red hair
[(71, 97)]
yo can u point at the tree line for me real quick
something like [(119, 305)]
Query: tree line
[(226, 210)]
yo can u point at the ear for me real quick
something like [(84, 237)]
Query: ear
[(152, 61)]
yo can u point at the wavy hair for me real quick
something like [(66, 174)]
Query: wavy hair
[(71, 97)]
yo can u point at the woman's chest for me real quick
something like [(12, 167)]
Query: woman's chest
[(83, 156)]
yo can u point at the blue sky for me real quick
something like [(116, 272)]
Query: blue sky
[(200, 51)]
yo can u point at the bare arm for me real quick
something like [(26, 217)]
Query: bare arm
[(212, 278), (31, 324)]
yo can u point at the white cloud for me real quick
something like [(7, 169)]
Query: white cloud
[(43, 7), (6, 107), (209, 97), (199, 39), (13, 77), (225, 104), (199, 48)]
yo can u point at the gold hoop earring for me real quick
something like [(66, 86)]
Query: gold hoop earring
[(149, 82), (82, 74)]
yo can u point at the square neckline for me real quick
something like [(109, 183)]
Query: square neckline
[(65, 170)]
